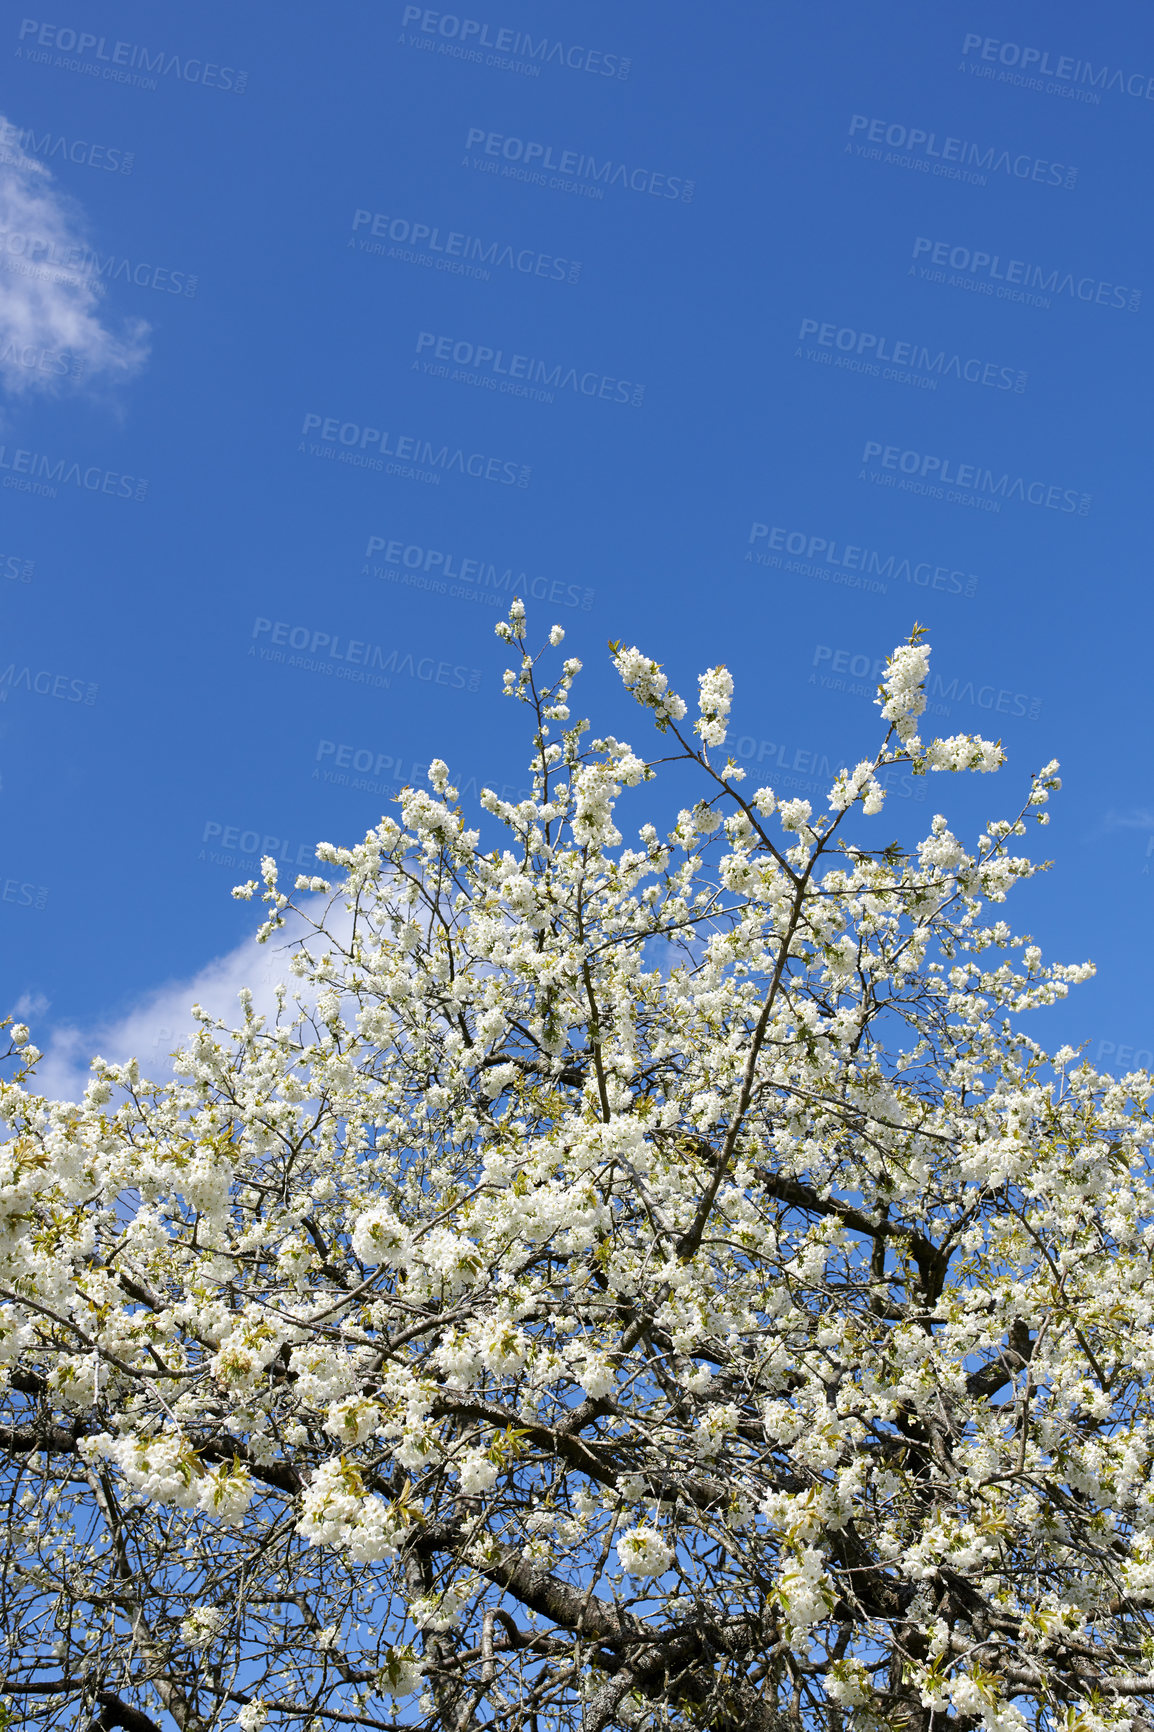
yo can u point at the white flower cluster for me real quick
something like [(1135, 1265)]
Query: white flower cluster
[(643, 1552), (352, 1420), (164, 1469), (649, 685), (716, 695), (477, 1473), (805, 1592), (679, 1203), (595, 789), (443, 1611), (848, 1684), (337, 1511), (379, 1237), (941, 848), (401, 1673), (794, 814), (900, 695), (858, 784), (717, 1426), (964, 752), (202, 1626)]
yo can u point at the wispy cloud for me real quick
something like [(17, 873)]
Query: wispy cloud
[(53, 331), (162, 1019), (1137, 818)]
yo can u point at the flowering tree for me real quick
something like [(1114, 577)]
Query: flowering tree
[(618, 1286)]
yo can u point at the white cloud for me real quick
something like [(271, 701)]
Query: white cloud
[(51, 325), (162, 1019), (1137, 818)]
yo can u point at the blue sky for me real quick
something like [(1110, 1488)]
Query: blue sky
[(747, 334)]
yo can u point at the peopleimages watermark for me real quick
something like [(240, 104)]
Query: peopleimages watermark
[(42, 257), (56, 363), (954, 158), (1138, 1058), (365, 770), (859, 666), (410, 456), (240, 839), (506, 49), (55, 148), (365, 761), (1010, 279), (845, 562), (459, 254), (34, 472), (572, 170), (17, 569), (44, 683), (354, 659), (23, 894), (905, 363), (469, 363), (120, 62), (932, 475), (466, 578), (1021, 64)]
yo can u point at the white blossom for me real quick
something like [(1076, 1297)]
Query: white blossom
[(716, 695), (622, 1245), (643, 1552), (202, 1625)]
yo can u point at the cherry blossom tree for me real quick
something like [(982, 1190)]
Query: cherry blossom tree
[(649, 1284)]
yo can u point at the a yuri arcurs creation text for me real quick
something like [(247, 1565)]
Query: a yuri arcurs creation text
[(626, 1278)]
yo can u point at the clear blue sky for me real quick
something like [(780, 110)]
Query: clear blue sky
[(725, 326)]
